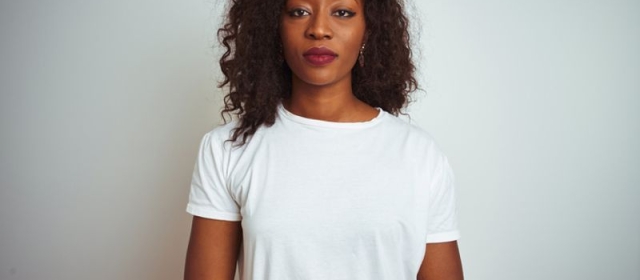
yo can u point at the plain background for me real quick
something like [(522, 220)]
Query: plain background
[(103, 104)]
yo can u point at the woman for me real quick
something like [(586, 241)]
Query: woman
[(317, 178)]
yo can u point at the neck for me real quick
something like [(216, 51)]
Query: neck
[(334, 102)]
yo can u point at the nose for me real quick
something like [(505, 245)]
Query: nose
[(319, 28)]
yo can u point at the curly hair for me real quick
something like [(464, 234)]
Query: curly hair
[(258, 79)]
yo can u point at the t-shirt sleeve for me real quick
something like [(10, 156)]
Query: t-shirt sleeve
[(210, 196), (442, 221)]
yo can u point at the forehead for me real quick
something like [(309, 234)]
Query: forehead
[(325, 2)]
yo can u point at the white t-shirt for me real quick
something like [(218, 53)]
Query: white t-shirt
[(327, 200)]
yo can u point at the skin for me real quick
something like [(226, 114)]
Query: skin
[(324, 92), (441, 262), (214, 247), (318, 92)]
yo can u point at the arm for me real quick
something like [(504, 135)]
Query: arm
[(441, 262), (213, 249)]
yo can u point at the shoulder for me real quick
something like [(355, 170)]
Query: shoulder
[(224, 131), (219, 136), (416, 142), (408, 131)]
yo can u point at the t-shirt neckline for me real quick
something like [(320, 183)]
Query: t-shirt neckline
[(329, 124)]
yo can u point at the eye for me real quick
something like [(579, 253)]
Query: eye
[(344, 13), (298, 13)]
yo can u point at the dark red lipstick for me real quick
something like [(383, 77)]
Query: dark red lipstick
[(319, 56)]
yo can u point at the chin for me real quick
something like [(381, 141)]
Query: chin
[(321, 78)]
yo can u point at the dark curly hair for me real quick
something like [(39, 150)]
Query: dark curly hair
[(259, 79)]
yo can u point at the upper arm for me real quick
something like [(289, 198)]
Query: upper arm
[(213, 249), (441, 262)]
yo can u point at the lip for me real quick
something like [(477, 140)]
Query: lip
[(319, 56)]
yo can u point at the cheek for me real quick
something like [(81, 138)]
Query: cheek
[(353, 44), (353, 39), (288, 51), (288, 41)]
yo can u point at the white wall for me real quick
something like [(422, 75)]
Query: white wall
[(103, 104), (536, 104)]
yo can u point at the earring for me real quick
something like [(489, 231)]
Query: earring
[(361, 56)]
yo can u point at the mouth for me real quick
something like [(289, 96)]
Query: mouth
[(319, 56)]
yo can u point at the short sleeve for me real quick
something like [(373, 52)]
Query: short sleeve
[(442, 220), (210, 196)]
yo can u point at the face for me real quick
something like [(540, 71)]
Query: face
[(321, 39)]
